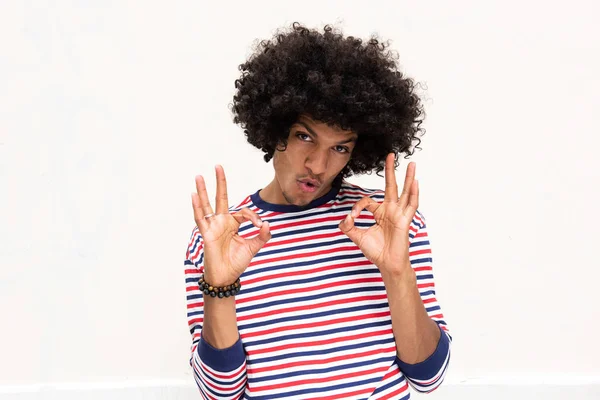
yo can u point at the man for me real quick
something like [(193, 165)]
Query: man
[(314, 287)]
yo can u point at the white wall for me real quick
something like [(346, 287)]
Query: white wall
[(109, 109)]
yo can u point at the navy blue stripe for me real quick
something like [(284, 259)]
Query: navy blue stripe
[(310, 245), (399, 379), (293, 264), (337, 313), (214, 393), (194, 313), (336, 367), (301, 394), (320, 353), (431, 309), (196, 243), (421, 260), (421, 277), (311, 297), (345, 329), (275, 220), (343, 274)]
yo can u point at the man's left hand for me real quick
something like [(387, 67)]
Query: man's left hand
[(386, 243)]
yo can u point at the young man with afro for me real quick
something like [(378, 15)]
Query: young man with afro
[(313, 287)]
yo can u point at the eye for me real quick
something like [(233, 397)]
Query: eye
[(341, 149), (303, 136)]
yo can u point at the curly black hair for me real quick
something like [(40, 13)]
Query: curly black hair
[(337, 80)]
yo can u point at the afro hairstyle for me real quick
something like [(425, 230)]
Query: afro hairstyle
[(342, 81)]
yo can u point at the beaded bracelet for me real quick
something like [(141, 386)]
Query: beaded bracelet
[(220, 292)]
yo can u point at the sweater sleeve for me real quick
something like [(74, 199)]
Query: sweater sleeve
[(219, 373), (427, 375)]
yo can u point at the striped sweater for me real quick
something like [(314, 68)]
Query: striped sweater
[(313, 315)]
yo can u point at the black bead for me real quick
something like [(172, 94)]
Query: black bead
[(206, 291), (228, 293), (220, 295), (213, 294)]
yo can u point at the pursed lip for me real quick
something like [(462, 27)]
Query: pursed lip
[(313, 182)]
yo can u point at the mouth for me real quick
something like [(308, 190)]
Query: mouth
[(308, 185)]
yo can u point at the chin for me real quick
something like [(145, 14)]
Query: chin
[(299, 201)]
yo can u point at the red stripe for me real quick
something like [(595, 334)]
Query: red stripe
[(289, 274), (344, 395), (241, 371), (320, 380), (304, 255), (227, 389), (315, 324), (320, 342), (419, 252), (420, 269), (395, 393), (280, 312), (303, 239), (336, 218), (194, 305), (308, 289), (192, 271), (319, 361)]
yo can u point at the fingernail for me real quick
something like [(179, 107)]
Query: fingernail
[(259, 222), (354, 212)]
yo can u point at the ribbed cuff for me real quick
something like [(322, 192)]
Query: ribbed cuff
[(222, 360), (428, 368)]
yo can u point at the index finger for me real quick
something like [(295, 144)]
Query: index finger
[(391, 187), (222, 203)]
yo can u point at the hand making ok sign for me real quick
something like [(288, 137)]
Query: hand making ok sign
[(386, 243)]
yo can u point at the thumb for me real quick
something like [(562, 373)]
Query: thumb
[(347, 226), (257, 242)]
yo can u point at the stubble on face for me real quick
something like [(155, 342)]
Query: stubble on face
[(315, 155)]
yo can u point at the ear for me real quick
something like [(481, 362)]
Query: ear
[(281, 145)]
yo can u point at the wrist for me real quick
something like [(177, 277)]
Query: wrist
[(209, 289), (216, 280), (402, 273)]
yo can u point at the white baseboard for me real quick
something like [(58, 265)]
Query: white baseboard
[(578, 388)]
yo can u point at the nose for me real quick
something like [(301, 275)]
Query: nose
[(317, 161)]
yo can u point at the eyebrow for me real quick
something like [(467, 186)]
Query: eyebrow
[(352, 139)]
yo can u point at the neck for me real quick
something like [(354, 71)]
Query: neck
[(272, 193)]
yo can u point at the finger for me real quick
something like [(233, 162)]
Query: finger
[(413, 200), (355, 234), (257, 242), (198, 213), (366, 202), (245, 214), (408, 182), (201, 189), (221, 201), (391, 187)]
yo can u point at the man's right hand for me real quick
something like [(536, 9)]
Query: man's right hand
[(226, 253)]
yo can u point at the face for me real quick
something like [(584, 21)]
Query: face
[(315, 154)]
